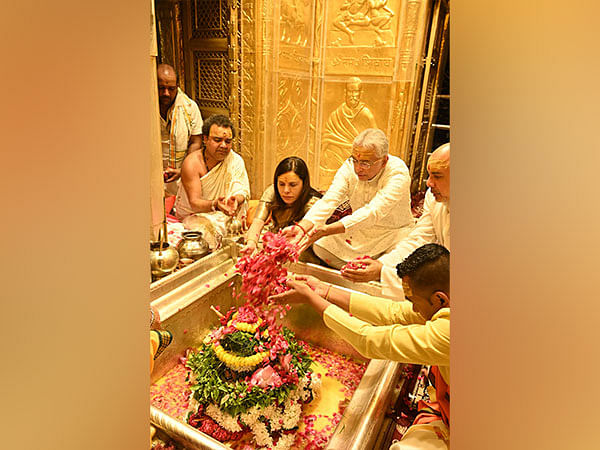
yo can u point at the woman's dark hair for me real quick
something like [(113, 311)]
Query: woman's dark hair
[(298, 166)]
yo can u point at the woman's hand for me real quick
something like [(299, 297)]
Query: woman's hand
[(249, 248), (293, 234), (314, 283), (313, 236), (299, 293)]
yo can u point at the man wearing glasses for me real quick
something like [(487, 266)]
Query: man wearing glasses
[(214, 181), (432, 226), (377, 186)]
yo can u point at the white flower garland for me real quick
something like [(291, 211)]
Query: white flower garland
[(284, 417), (285, 442), (227, 421)]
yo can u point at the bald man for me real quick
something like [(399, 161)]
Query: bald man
[(432, 227), (180, 126)]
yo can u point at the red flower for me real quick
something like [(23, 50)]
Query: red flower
[(285, 362), (266, 377)]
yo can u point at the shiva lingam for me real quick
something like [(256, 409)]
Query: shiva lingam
[(192, 246)]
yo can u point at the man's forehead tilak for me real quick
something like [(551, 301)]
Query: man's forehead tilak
[(361, 153), (217, 131)]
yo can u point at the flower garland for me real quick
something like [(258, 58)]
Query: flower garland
[(262, 393)]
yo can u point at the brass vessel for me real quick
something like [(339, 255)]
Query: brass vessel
[(235, 227), (192, 246), (163, 259)]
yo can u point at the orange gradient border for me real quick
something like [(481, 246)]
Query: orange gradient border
[(524, 89)]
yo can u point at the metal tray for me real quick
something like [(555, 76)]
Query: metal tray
[(184, 299)]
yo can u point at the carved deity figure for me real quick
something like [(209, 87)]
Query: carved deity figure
[(293, 22), (343, 125), (372, 15), (291, 118)]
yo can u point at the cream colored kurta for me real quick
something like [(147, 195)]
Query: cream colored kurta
[(432, 227), (385, 329), (183, 120), (381, 214)]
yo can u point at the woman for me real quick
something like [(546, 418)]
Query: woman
[(284, 202)]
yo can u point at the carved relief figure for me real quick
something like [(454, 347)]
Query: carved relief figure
[(291, 118), (373, 15), (293, 22), (343, 125)]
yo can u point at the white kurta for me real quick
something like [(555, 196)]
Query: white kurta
[(432, 227), (226, 179), (381, 214), (183, 120)]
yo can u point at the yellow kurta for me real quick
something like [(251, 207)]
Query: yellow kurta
[(385, 329)]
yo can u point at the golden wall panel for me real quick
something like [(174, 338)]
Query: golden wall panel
[(313, 156), (294, 58), (299, 59), (376, 62), (364, 23), (347, 109), (295, 34), (248, 119), (292, 120), (361, 37)]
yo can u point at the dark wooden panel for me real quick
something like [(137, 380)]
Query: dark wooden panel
[(170, 36), (211, 73), (210, 19)]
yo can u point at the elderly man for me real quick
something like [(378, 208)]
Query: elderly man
[(432, 226), (377, 186), (180, 125), (224, 189), (416, 331)]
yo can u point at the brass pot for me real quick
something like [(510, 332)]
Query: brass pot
[(192, 246), (163, 260), (235, 227)]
